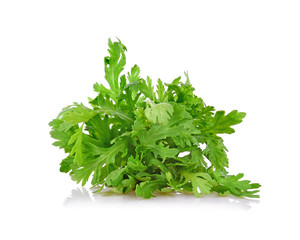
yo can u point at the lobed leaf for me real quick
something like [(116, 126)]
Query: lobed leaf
[(142, 137)]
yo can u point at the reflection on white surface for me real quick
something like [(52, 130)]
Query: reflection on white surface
[(86, 197)]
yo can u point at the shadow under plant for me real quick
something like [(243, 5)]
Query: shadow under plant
[(85, 197)]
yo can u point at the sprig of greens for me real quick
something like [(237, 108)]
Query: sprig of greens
[(132, 137)]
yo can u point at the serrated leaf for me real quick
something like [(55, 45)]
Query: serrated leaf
[(134, 74), (159, 113), (146, 189), (115, 177), (222, 123), (134, 164), (161, 94), (200, 182), (215, 152), (114, 65), (76, 113), (77, 148), (97, 162), (135, 137), (233, 184)]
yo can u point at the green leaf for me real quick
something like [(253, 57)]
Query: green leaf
[(162, 96), (215, 152), (127, 185), (146, 189), (61, 134), (201, 182), (101, 89), (164, 152), (77, 148), (76, 113), (114, 65), (107, 107), (233, 184), (66, 164), (158, 164), (146, 88), (159, 113), (198, 158), (222, 123), (135, 137), (134, 164), (99, 129), (115, 177), (98, 163), (134, 75)]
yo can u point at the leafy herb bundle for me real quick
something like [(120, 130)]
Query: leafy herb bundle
[(133, 137)]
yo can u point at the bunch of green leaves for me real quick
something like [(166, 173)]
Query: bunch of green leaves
[(135, 137)]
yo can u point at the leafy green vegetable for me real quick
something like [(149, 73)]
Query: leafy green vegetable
[(133, 137)]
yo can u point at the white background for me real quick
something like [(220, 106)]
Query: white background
[(241, 55)]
